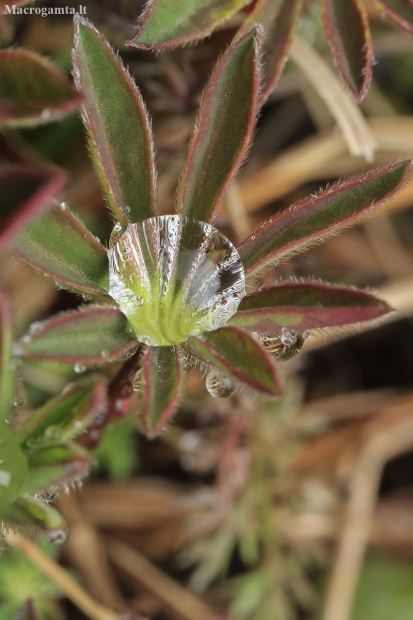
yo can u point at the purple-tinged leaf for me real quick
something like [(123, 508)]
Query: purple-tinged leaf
[(278, 19), (400, 12), (32, 90), (91, 335), (169, 24), (24, 191), (27, 612), (222, 132), (28, 510), (306, 305), (68, 414), (7, 366), (57, 244), (118, 127), (13, 468), (161, 386), (347, 29), (55, 465), (238, 355), (317, 217)]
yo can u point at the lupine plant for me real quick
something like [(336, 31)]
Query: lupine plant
[(345, 23), (171, 291)]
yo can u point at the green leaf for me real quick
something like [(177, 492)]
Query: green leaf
[(278, 19), (169, 24), (32, 90), (27, 510), (65, 416), (315, 218), (24, 191), (57, 244), (91, 335), (118, 127), (306, 305), (399, 12), (239, 355), (7, 365), (222, 132), (56, 465), (347, 29), (13, 468), (116, 453), (161, 380)]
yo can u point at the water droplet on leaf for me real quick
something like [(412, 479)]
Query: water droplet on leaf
[(58, 536), (174, 278), (79, 368), (218, 385)]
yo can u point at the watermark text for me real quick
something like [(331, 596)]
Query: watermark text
[(44, 11)]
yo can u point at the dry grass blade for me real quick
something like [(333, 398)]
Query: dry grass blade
[(388, 436), (179, 601), (355, 130)]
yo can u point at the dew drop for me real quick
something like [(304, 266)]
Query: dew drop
[(79, 368), (78, 424), (46, 114), (36, 327), (64, 206), (104, 353), (306, 334), (18, 401), (126, 208), (287, 336), (218, 385), (58, 536)]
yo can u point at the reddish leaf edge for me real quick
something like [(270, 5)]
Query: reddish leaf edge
[(53, 185), (65, 317)]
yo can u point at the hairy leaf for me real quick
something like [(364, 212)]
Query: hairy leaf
[(57, 244), (278, 19), (66, 416), (399, 12), (161, 385), (347, 28), (118, 127), (306, 305), (32, 90), (7, 366), (27, 510), (317, 217), (223, 131), (168, 24), (24, 191), (56, 465), (240, 356), (91, 335), (13, 468)]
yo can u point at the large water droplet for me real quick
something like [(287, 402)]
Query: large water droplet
[(175, 278), (282, 346), (218, 385)]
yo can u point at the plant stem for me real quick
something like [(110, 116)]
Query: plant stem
[(71, 589)]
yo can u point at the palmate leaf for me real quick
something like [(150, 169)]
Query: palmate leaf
[(237, 355), (306, 305), (32, 90), (168, 24), (25, 190), (57, 244), (315, 218), (7, 365), (278, 19), (223, 131), (161, 386), (65, 416), (13, 468), (399, 12), (118, 127), (347, 29), (92, 335)]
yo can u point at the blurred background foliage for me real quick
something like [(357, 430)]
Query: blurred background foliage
[(264, 510)]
